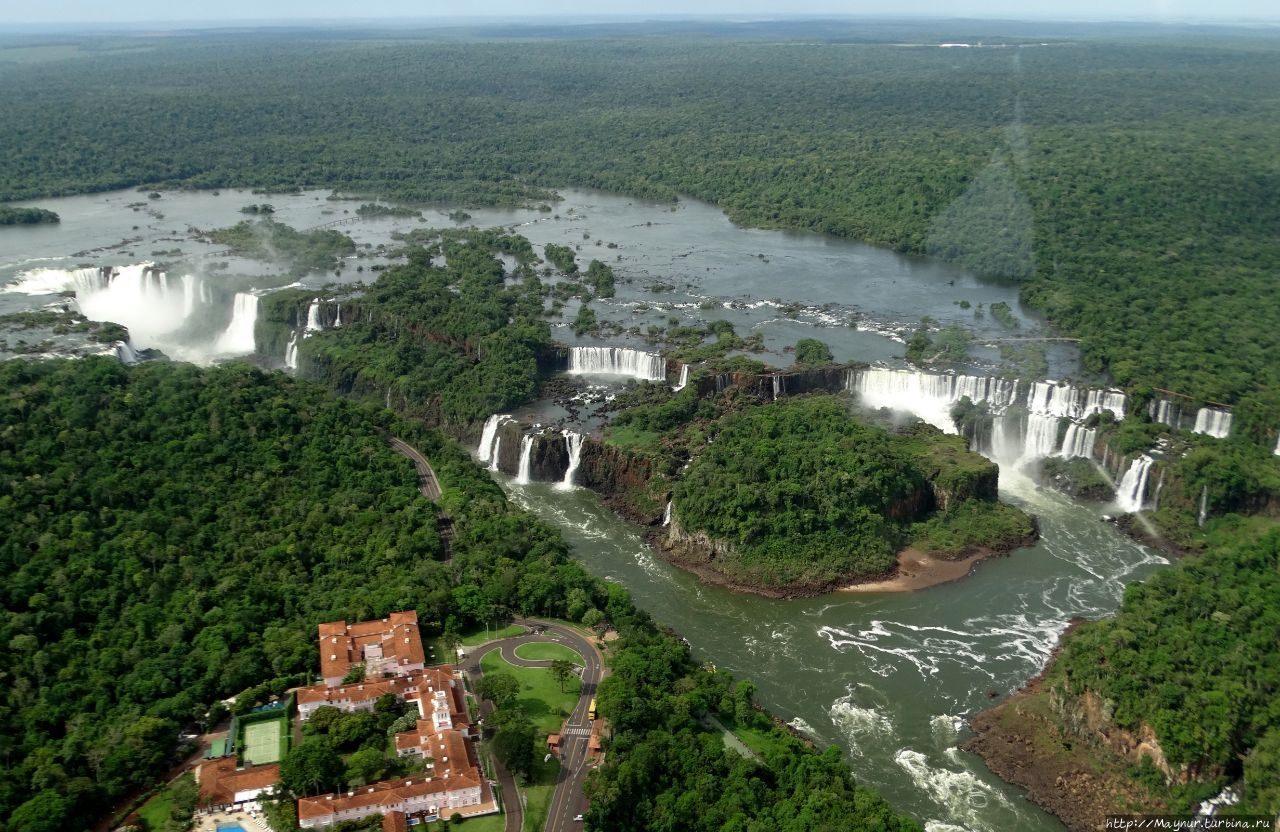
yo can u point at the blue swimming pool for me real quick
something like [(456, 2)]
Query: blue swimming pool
[(230, 827)]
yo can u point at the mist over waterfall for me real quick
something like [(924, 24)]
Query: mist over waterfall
[(526, 455), (1133, 486), (1212, 421), (238, 336), (1026, 420), (573, 443), (184, 316), (617, 361)]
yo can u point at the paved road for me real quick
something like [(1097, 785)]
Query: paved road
[(568, 800)]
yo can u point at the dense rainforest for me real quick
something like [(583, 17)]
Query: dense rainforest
[(443, 336), (1130, 184), (174, 535)]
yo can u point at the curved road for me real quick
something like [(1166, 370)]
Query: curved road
[(568, 800), (430, 487)]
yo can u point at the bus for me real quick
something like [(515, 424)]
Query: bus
[(591, 709)]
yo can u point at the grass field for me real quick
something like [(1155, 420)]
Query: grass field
[(540, 696), (485, 823), (481, 636), (547, 651), (262, 741)]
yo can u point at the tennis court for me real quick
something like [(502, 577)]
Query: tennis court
[(262, 741)]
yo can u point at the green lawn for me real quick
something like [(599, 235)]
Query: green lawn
[(540, 696), (537, 795), (546, 651), (486, 823), (156, 810), (481, 636)]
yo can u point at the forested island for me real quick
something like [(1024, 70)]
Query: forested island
[(11, 215), (1127, 185)]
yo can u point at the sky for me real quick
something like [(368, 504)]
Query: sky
[(168, 11)]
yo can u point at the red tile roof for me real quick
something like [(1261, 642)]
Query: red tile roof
[(219, 780), (390, 643)]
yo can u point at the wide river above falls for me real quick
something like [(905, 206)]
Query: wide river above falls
[(890, 678)]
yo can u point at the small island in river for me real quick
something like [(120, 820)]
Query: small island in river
[(12, 215), (802, 496)]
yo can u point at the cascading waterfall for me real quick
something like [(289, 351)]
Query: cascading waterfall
[(190, 291), (238, 336), (337, 322), (666, 515), (1078, 442), (1015, 438), (1203, 514), (573, 443), (617, 361), (526, 455), (126, 353), (1213, 422), (928, 395), (313, 317), (684, 379), (1276, 452), (1041, 437), (496, 449), (1133, 486), (489, 438), (291, 351), (1166, 413)]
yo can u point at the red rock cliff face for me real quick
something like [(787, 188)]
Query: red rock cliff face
[(611, 471)]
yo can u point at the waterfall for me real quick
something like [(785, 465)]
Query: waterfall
[(1065, 400), (1155, 500), (526, 454), (313, 317), (1204, 507), (291, 352), (573, 442), (684, 379), (1078, 442), (1276, 452), (617, 361), (190, 291), (489, 438), (929, 395), (1213, 422), (126, 353), (338, 320), (238, 337), (779, 386), (1133, 486), (1166, 413), (666, 515), (497, 447), (1041, 438)]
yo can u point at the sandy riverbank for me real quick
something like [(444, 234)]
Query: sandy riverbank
[(917, 570)]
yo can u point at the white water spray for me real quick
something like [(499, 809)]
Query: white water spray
[(526, 454), (1213, 422), (573, 443), (617, 361), (1133, 486), (237, 339)]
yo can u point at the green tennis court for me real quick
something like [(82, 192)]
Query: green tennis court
[(262, 741)]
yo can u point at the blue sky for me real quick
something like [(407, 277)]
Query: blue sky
[(123, 11)]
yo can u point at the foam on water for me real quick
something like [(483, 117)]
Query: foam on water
[(967, 798), (859, 723)]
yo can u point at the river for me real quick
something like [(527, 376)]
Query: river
[(890, 678)]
